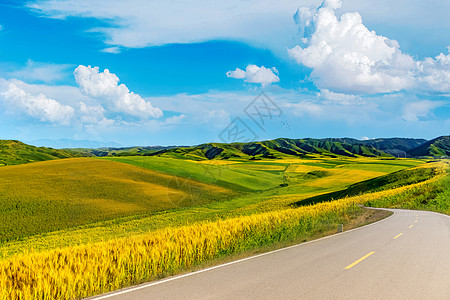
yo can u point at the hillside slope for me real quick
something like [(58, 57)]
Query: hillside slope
[(54, 195), (15, 153), (390, 144), (277, 148), (119, 151), (437, 147)]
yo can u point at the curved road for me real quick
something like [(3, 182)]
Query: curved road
[(406, 256)]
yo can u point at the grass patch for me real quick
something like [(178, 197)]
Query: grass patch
[(232, 175), (390, 181)]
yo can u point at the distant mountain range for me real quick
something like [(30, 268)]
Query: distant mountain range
[(284, 147), (331, 147), (121, 151), (15, 152)]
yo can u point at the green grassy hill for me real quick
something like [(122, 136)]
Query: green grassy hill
[(437, 147), (402, 144), (279, 148), (235, 175), (118, 151), (14, 153), (386, 182)]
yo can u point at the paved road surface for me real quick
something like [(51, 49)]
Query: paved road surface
[(406, 256)]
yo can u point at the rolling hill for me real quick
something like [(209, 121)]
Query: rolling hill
[(403, 144), (437, 147), (277, 148), (14, 153), (120, 151)]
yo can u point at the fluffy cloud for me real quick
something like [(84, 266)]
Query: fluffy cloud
[(255, 74), (414, 111), (346, 57), (434, 74), (98, 101), (118, 98), (40, 107)]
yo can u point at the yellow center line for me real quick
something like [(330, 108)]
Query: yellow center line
[(411, 226), (415, 221), (359, 260), (398, 235)]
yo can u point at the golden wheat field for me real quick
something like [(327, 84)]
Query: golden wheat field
[(86, 270)]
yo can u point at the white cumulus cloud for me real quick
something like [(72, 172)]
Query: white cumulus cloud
[(116, 97), (434, 74), (346, 57), (255, 74), (40, 107)]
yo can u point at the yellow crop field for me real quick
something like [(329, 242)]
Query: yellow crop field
[(279, 168), (301, 168), (344, 177), (217, 162), (86, 270)]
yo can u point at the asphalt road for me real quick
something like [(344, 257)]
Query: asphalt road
[(406, 256)]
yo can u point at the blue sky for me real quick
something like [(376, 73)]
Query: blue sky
[(155, 73)]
